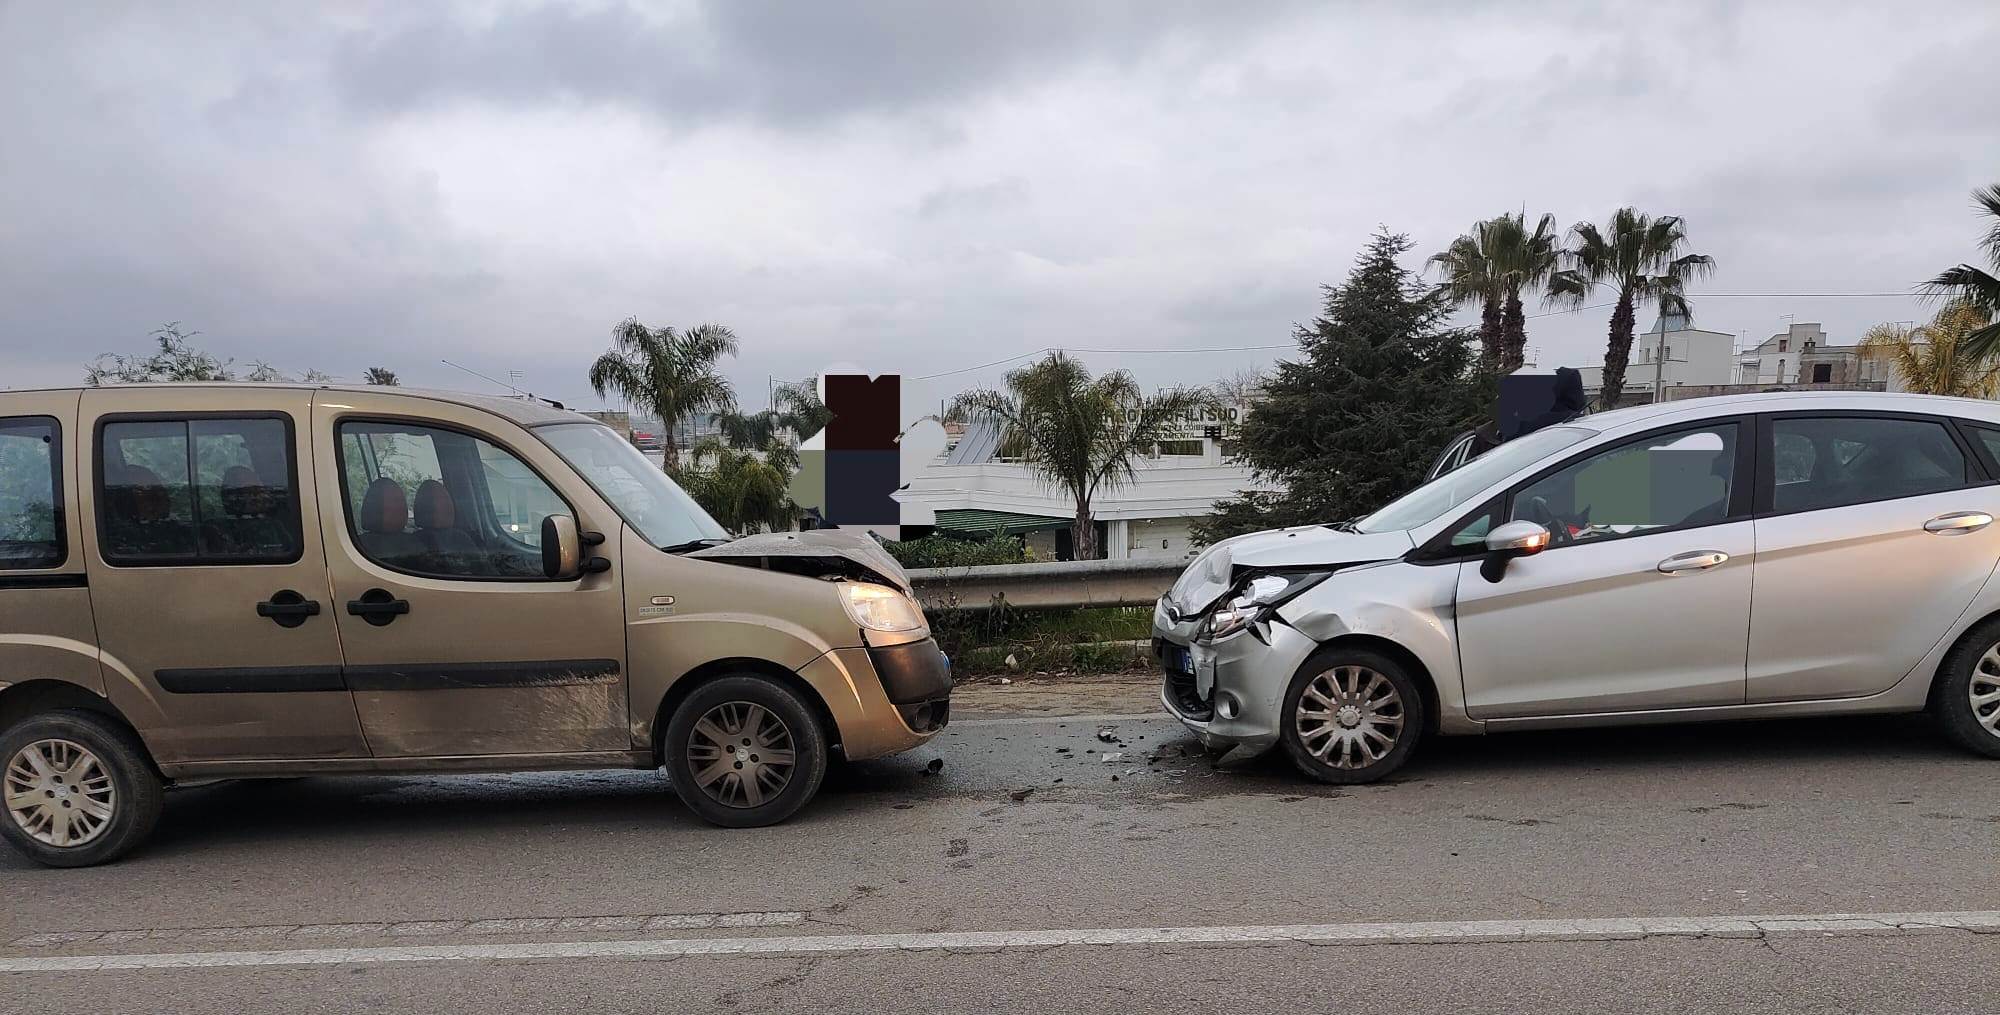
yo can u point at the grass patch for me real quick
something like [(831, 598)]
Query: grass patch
[(1085, 640)]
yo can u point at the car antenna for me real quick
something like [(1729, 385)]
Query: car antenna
[(550, 402)]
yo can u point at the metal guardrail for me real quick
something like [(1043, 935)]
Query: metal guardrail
[(1046, 586)]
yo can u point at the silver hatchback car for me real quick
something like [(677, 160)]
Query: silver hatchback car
[(1750, 556)]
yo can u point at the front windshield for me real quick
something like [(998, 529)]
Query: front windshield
[(655, 506), (1434, 499)]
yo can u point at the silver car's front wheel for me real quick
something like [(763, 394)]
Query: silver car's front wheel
[(59, 793), (1351, 716)]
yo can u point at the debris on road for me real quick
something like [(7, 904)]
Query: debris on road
[(1022, 794), (1107, 734), (1111, 756), (936, 766)]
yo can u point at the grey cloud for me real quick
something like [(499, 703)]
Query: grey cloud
[(979, 198), (788, 62)]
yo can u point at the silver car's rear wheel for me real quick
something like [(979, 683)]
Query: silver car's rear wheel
[(60, 793), (742, 754), (1965, 696), (1983, 690), (1349, 717)]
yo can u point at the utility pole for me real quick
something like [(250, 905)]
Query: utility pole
[(1660, 361)]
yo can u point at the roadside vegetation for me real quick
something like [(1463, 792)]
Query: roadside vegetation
[(1100, 640)]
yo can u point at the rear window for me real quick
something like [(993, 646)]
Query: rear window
[(31, 531), (198, 491)]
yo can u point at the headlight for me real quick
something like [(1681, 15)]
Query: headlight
[(881, 608), (1257, 597)]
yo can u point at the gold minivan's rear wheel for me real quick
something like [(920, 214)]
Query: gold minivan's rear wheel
[(745, 751), (59, 793), (76, 788)]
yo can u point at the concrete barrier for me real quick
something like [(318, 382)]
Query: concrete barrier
[(1046, 586)]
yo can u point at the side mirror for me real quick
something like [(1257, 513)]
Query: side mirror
[(1514, 539), (562, 548)]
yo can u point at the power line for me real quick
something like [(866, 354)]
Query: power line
[(1294, 345)]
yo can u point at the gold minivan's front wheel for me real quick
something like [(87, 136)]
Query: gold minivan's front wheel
[(745, 751), (77, 788)]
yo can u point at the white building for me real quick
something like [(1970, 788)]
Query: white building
[(975, 492), (1683, 355), (1778, 359)]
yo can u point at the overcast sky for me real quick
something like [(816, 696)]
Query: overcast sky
[(922, 186)]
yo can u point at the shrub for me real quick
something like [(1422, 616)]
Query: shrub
[(943, 551)]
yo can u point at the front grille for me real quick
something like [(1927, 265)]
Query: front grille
[(1181, 691)]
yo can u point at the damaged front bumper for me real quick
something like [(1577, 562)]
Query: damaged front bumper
[(1231, 691)]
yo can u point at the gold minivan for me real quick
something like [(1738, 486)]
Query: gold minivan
[(203, 581)]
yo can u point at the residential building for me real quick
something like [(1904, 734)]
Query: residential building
[(977, 492), (1798, 354), (1671, 353)]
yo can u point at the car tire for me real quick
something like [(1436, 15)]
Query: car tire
[(1338, 686), (719, 745), (107, 756), (1971, 668)]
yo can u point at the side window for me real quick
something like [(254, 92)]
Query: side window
[(1989, 438), (198, 491), (1667, 481), (430, 501), (1472, 535), (30, 506), (1838, 460)]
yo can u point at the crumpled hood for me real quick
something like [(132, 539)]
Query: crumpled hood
[(1212, 573), (815, 554)]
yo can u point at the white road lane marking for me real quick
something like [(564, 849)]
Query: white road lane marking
[(1432, 932), (421, 928), (1081, 720)]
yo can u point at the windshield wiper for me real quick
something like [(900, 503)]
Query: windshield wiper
[(1344, 526), (694, 544)]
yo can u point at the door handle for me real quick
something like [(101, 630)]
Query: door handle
[(287, 608), (378, 607), (1693, 560), (1957, 522)]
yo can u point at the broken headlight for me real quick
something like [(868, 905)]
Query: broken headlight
[(1255, 598)]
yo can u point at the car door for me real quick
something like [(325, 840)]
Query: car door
[(207, 576), (1642, 599), (1874, 532), (455, 643)]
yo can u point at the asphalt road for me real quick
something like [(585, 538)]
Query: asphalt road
[(596, 892)]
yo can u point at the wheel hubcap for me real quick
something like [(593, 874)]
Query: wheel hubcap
[(742, 754), (1350, 717), (1985, 690), (59, 792)]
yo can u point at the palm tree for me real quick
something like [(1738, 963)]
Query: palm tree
[(381, 377), (1640, 257), (1472, 276), (669, 374), (1524, 261), (1939, 358), (742, 489), (1081, 434), (795, 407), (1975, 286)]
